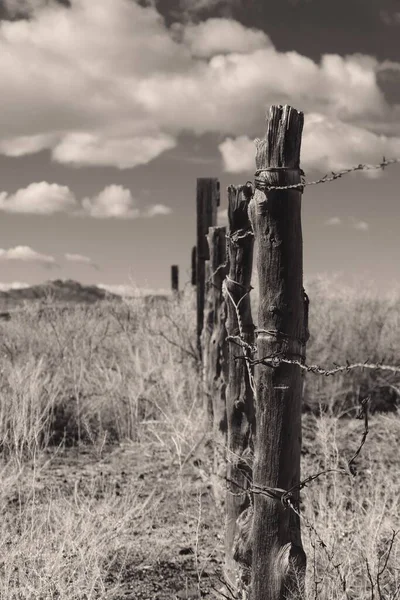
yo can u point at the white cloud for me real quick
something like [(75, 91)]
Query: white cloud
[(43, 198), (19, 146), (222, 217), (193, 7), (106, 83), (360, 225), (333, 221), (220, 36), (238, 155), (157, 210), (81, 259), (27, 254), (90, 149), (117, 202), (40, 198), (327, 145), (14, 285), (114, 201)]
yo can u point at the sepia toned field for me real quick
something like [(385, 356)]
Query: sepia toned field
[(106, 463)]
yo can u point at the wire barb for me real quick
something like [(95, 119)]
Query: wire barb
[(260, 182)]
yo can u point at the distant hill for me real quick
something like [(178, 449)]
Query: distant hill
[(58, 291)]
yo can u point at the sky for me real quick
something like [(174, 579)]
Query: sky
[(111, 109)]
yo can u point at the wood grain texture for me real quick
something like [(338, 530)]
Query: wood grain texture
[(215, 355), (239, 399), (278, 560), (207, 202)]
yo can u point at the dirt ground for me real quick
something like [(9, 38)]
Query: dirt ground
[(174, 550), (173, 546)]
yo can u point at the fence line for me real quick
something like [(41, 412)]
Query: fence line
[(266, 528)]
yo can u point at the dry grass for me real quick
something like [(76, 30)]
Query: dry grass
[(354, 323), (113, 370), (354, 517), (58, 544), (127, 374)]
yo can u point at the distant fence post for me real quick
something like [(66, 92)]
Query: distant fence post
[(239, 394), (194, 261), (278, 561), (175, 279), (214, 332), (215, 354), (207, 201)]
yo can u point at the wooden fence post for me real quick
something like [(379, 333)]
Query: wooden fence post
[(194, 261), (215, 355), (239, 394), (214, 332), (207, 200), (278, 558), (175, 279)]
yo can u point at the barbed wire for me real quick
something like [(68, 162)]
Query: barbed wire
[(261, 184), (287, 496), (245, 346), (290, 498), (276, 359)]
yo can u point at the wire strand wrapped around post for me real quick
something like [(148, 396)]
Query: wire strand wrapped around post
[(278, 562), (239, 396)]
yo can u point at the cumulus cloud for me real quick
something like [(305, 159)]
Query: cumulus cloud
[(40, 198), (220, 36), (27, 254), (90, 149), (222, 217), (133, 86), (43, 198), (194, 7), (21, 145), (156, 210), (333, 221), (327, 145), (238, 155), (114, 201), (360, 225), (117, 202), (81, 259)]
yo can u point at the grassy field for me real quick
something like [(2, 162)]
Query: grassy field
[(106, 469)]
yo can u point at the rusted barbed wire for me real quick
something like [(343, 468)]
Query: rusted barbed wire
[(261, 184), (276, 359), (245, 346), (286, 496), (287, 499)]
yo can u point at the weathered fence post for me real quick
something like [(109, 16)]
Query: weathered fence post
[(215, 354), (239, 394), (207, 201), (214, 332), (278, 559), (175, 279), (194, 261)]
